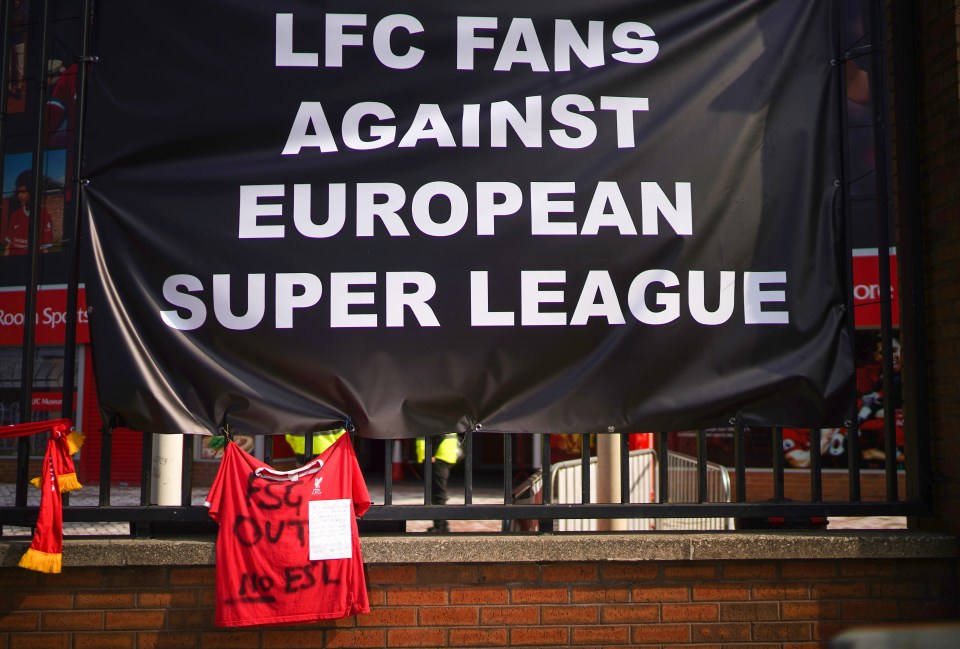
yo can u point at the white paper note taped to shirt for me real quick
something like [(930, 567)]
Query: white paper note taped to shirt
[(330, 536)]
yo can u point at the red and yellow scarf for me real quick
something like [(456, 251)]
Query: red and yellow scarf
[(57, 477)]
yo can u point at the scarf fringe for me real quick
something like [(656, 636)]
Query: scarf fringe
[(41, 561)]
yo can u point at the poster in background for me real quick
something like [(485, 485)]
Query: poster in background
[(614, 216)]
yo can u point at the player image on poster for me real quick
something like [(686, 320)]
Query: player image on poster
[(562, 217)]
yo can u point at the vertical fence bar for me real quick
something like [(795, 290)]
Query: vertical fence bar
[(30, 298), (106, 458), (816, 471), (903, 21), (663, 467), (777, 460), (624, 467), (146, 470), (268, 449), (307, 447), (507, 468), (468, 467), (882, 163), (584, 468), (186, 474), (853, 467), (141, 529), (702, 466), (427, 469), (546, 526), (740, 460), (388, 445)]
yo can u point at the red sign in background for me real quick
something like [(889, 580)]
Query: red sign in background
[(51, 316), (866, 289)]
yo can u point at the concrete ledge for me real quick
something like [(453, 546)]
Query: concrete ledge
[(507, 548)]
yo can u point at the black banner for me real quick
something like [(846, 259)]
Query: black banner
[(549, 216)]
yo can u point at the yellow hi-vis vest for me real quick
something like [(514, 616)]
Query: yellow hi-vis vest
[(445, 451), (321, 441)]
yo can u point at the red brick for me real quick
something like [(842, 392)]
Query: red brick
[(629, 613), (509, 615), (16, 578), (907, 589), (726, 633), (479, 595), (749, 612), (105, 600), (525, 595), (478, 637), (40, 641), (450, 616), (839, 590), (814, 610), (389, 616), (660, 594), (230, 640), (208, 597), (41, 600), (131, 578), (868, 569), (690, 572), (193, 576), (404, 595), (868, 609), (781, 591), (809, 569), (103, 641), (751, 571), (72, 621), (540, 636), (639, 571), (144, 620), (168, 640), (570, 573), (391, 574), (690, 612), (660, 633), (190, 619), (569, 614), (300, 639), (74, 577), (509, 573), (782, 631), (337, 638), (376, 595), (19, 621), (416, 637), (930, 610), (600, 594), (606, 635), (185, 598), (721, 593), (445, 573)]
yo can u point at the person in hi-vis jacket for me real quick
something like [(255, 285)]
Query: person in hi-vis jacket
[(446, 453)]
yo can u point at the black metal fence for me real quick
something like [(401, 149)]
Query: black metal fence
[(65, 27)]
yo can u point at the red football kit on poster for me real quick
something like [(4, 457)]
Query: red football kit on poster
[(288, 549)]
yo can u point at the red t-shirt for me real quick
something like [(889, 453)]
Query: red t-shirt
[(288, 549)]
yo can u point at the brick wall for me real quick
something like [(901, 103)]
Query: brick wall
[(757, 603)]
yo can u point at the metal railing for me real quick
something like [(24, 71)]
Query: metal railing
[(684, 493)]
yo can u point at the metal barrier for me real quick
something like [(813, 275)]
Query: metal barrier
[(567, 485)]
